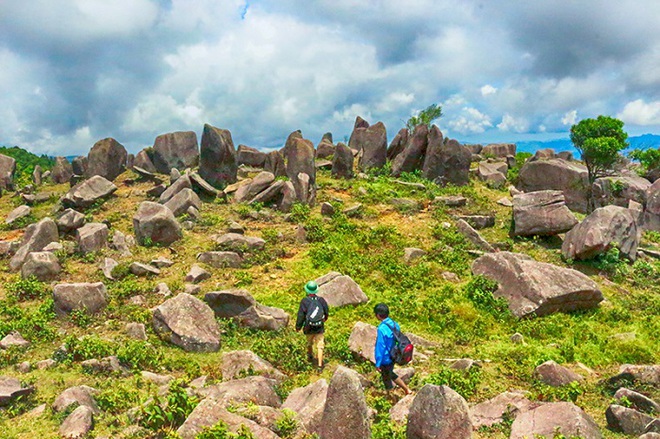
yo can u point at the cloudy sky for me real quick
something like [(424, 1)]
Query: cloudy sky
[(76, 71)]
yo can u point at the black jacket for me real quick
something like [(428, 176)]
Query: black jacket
[(302, 313)]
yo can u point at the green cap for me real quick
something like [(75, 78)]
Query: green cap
[(311, 287)]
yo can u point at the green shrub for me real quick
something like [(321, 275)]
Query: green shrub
[(465, 383), (118, 397), (287, 426), (85, 348), (34, 323), (171, 412), (28, 289), (480, 292), (570, 392), (299, 213), (80, 317), (140, 355)]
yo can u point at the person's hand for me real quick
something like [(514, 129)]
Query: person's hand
[(378, 369)]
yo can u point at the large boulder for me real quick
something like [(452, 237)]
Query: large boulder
[(11, 389), (77, 395), (79, 165), (495, 410), (154, 223), (7, 171), (447, 161), (180, 184), (70, 220), (249, 156), (221, 259), (342, 162), (182, 201), (36, 237), (557, 174), (218, 164), (541, 213), (210, 412), (107, 158), (604, 228), (237, 363), (89, 297), (257, 389), (62, 171), (92, 237), (88, 192), (239, 243), (372, 143), (547, 419), (240, 305), (309, 402), (346, 414), (175, 150), (78, 424), (499, 149), (619, 190), (438, 412), (555, 375), (188, 323), (411, 158), (627, 420), (299, 162), (637, 400), (339, 290), (43, 266), (539, 288), (492, 173)]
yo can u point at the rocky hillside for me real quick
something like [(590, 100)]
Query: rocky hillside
[(155, 295)]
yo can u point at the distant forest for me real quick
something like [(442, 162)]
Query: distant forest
[(25, 163)]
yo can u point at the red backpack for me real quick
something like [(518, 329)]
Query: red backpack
[(402, 351)]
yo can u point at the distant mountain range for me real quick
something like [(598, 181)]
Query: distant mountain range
[(644, 141)]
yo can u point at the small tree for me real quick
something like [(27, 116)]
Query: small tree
[(599, 142), (426, 116)]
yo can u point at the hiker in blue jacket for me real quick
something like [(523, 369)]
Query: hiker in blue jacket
[(384, 345)]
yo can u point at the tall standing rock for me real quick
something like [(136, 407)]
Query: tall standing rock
[(309, 403), (346, 414), (342, 162), (143, 160), (62, 171), (7, 170), (372, 142), (175, 150), (274, 164), (290, 140), (446, 161), (398, 144), (411, 157), (218, 164), (604, 228), (79, 165), (438, 412), (300, 160), (107, 158), (353, 142), (88, 192), (37, 175)]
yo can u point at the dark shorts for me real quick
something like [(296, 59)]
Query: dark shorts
[(388, 375)]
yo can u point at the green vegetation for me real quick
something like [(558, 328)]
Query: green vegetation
[(25, 163), (648, 158), (599, 142), (425, 117)]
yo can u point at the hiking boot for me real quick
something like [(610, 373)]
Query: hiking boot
[(311, 358)]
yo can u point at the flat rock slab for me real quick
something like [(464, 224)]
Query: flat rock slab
[(236, 363), (188, 323), (539, 288), (568, 418), (88, 192), (257, 389), (493, 411), (555, 375), (10, 389), (339, 290), (240, 243), (221, 259), (240, 304), (627, 420)]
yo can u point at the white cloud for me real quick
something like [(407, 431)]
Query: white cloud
[(569, 118), (639, 112), (470, 121), (513, 124), (488, 90)]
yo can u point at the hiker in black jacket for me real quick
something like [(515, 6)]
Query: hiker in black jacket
[(312, 314)]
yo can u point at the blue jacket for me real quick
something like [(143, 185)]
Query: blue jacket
[(385, 342)]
